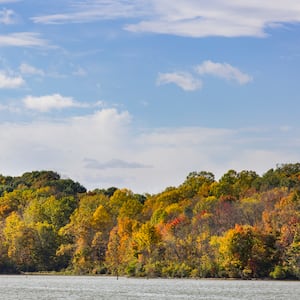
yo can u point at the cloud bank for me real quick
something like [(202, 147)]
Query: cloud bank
[(106, 149)]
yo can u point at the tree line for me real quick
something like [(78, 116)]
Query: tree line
[(241, 226)]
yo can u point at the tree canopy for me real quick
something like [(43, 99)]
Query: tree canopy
[(243, 226)]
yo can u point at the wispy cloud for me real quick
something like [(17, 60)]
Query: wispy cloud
[(27, 69), (22, 39), (9, 1), (185, 18), (184, 80), (80, 72), (223, 70), (9, 82), (30, 70), (94, 10), (10, 108), (7, 16), (49, 102)]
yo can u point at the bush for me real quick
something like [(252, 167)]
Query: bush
[(278, 273), (177, 270)]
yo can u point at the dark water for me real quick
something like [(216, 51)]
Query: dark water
[(73, 287)]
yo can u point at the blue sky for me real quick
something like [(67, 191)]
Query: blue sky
[(139, 93)]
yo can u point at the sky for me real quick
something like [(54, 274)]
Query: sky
[(139, 93)]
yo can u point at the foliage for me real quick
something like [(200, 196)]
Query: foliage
[(243, 225)]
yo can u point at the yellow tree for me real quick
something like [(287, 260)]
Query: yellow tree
[(21, 242), (146, 242), (84, 233)]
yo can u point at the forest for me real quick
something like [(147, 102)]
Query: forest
[(243, 225)]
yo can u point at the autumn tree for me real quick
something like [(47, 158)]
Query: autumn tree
[(245, 252)]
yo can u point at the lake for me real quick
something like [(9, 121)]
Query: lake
[(93, 287)]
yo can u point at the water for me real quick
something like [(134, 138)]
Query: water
[(88, 288)]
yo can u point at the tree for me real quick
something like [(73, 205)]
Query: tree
[(21, 241), (245, 252), (112, 258), (194, 181), (121, 255), (225, 187), (89, 224), (47, 243)]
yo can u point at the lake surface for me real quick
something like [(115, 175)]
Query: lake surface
[(88, 287)]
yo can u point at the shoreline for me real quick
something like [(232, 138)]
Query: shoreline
[(62, 274)]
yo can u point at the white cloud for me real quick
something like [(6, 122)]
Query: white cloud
[(7, 16), (64, 145), (188, 82), (49, 102), (191, 18), (217, 17), (22, 39), (223, 70), (30, 70), (106, 149), (184, 80), (8, 82)]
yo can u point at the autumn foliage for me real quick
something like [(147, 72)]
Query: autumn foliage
[(241, 226)]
